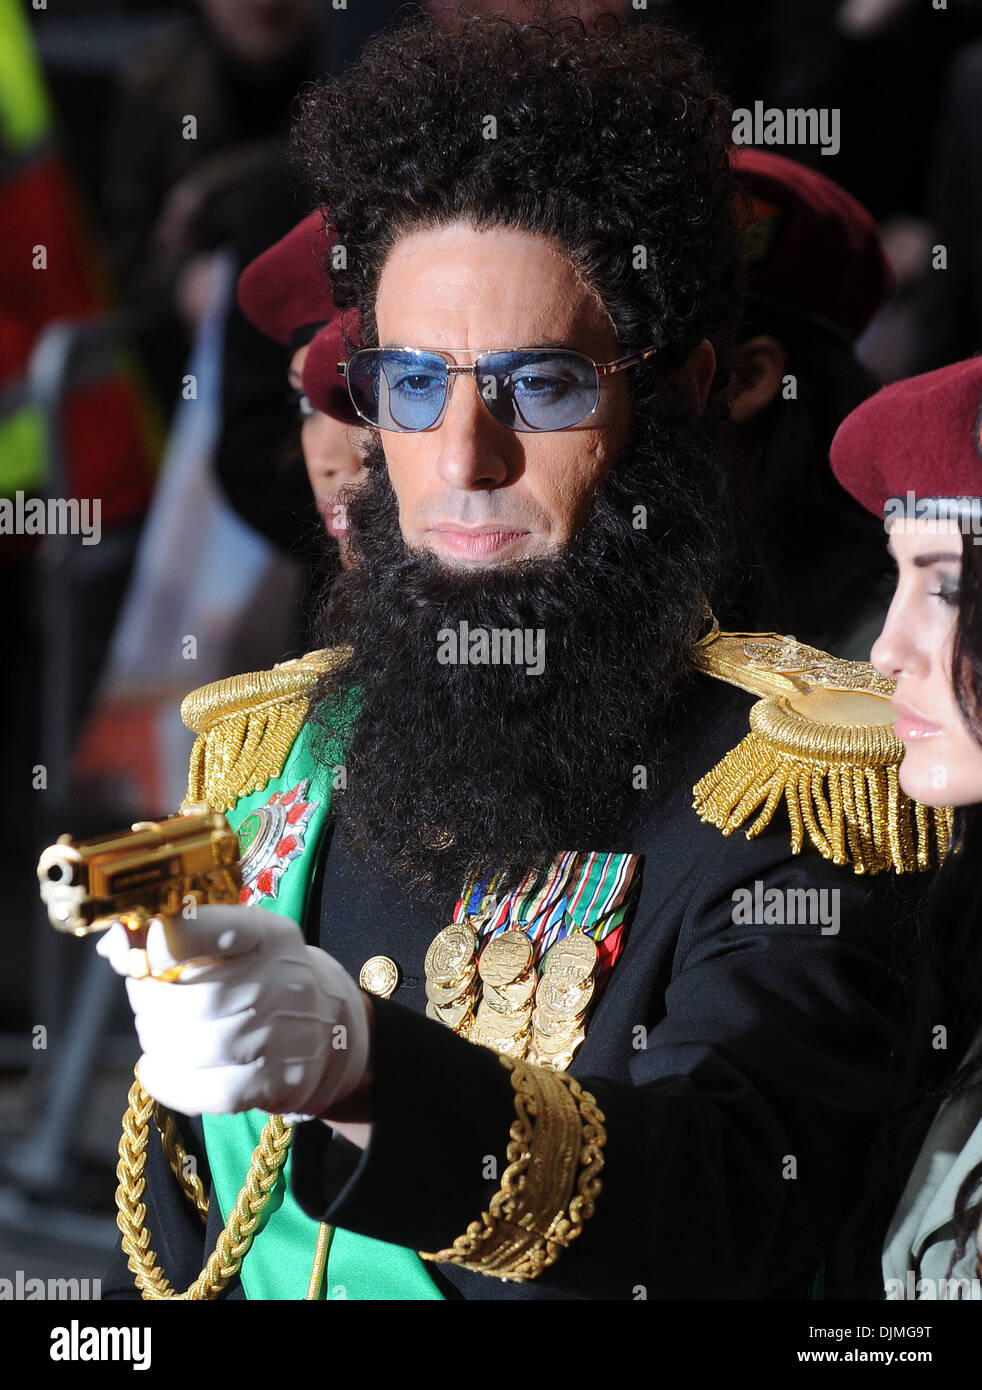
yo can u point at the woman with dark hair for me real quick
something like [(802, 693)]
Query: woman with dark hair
[(913, 454)]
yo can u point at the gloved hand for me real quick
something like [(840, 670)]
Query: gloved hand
[(273, 1023)]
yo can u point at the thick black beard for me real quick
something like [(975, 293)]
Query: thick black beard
[(518, 767)]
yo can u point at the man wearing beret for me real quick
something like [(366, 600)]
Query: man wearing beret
[(502, 1013)]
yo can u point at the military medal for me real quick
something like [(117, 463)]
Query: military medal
[(450, 954), (505, 1034), (562, 999), (451, 976), (493, 995), (572, 960), (510, 997), (558, 1055), (506, 959), (507, 972), (453, 1015), (445, 995)]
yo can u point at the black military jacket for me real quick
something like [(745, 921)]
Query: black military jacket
[(735, 1135)]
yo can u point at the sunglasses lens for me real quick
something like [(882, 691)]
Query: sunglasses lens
[(398, 389), (538, 389)]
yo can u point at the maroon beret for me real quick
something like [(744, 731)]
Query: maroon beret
[(918, 436), (809, 242), (286, 292), (323, 387)]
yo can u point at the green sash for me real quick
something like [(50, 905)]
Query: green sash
[(281, 1256)]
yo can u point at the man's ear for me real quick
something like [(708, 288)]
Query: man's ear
[(759, 366), (695, 376)]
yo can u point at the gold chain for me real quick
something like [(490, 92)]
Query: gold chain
[(233, 1244)]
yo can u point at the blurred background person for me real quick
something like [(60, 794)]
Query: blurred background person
[(285, 293), (946, 310), (67, 433), (196, 113), (883, 66), (817, 272)]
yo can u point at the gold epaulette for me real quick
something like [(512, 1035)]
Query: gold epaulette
[(820, 739), (246, 726)]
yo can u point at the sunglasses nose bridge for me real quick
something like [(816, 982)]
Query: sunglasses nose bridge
[(473, 370)]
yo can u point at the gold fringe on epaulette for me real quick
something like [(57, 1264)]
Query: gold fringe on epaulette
[(243, 752), (840, 786)]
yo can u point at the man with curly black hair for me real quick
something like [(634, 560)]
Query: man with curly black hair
[(478, 801)]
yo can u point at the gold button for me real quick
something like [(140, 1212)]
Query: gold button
[(379, 975)]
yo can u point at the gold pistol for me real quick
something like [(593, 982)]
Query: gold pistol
[(131, 876)]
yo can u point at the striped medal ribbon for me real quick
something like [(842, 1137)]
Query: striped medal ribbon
[(545, 950)]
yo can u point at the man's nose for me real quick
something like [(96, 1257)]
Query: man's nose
[(473, 449)]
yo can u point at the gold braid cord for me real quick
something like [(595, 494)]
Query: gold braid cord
[(821, 741), (542, 1203), (247, 726), (177, 1156), (240, 1228)]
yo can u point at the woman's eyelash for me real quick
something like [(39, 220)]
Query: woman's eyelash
[(947, 595)]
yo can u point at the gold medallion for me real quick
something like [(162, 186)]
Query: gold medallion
[(379, 975), (513, 1047), (571, 961), (450, 954), (510, 998), (559, 1002), (498, 1028), (453, 1016), (550, 1028), (558, 1058), (506, 958), (443, 995)]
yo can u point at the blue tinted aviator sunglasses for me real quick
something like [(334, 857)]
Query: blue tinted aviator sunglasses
[(527, 389)]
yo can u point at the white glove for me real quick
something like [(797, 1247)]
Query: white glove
[(274, 1024)]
